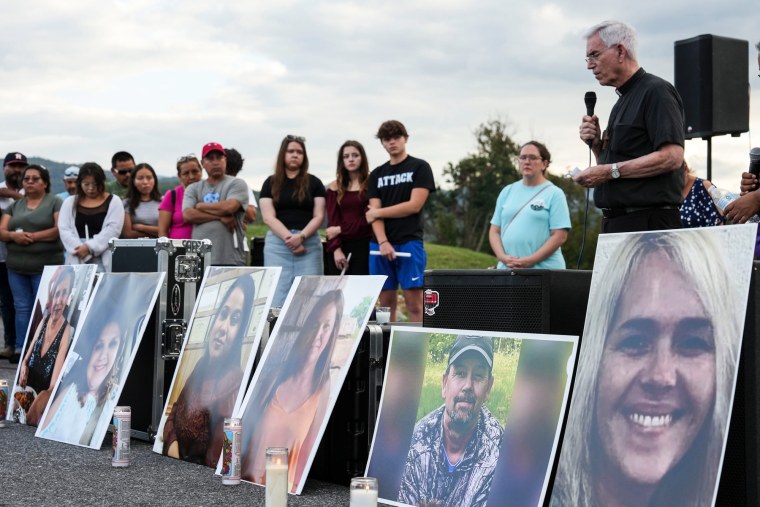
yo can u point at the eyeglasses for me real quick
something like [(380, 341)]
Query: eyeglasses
[(122, 172), (532, 158), (89, 184), (31, 179), (594, 57), (291, 137), (187, 158)]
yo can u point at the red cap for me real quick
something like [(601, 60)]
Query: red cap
[(209, 147)]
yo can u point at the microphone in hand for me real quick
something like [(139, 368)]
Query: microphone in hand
[(590, 100)]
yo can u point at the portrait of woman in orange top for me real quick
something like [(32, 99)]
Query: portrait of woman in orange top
[(289, 407)]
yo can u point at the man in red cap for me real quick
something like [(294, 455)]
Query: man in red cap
[(215, 207)]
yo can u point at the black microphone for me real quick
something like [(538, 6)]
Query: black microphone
[(590, 100), (754, 161)]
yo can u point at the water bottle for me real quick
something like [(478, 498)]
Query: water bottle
[(723, 198)]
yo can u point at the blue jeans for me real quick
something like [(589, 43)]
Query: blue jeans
[(6, 307), (277, 253), (24, 289)]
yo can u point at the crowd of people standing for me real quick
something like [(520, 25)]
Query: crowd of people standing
[(372, 220)]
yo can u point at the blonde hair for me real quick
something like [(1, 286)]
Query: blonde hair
[(692, 481)]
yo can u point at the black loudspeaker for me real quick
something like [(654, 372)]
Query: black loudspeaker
[(520, 300), (739, 483), (712, 77)]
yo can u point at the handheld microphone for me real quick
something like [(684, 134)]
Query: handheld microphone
[(590, 100), (754, 161)]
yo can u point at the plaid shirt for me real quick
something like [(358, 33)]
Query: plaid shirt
[(426, 473)]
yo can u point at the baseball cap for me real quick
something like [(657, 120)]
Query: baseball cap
[(71, 173), (479, 344), (15, 157), (209, 147)]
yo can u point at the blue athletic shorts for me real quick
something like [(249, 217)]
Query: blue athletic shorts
[(405, 271)]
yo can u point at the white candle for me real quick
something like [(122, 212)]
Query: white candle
[(363, 492), (277, 478), (363, 498)]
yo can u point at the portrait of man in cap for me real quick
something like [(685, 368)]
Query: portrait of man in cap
[(454, 448)]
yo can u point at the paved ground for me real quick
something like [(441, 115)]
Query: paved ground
[(41, 472)]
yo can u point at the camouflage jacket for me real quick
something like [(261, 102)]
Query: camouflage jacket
[(427, 479)]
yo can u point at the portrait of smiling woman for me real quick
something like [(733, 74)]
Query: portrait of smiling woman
[(655, 376)]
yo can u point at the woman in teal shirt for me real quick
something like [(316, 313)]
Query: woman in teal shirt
[(531, 219)]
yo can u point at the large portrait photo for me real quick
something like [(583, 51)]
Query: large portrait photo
[(61, 299), (302, 371), (101, 355), (656, 374), (470, 418), (216, 361)]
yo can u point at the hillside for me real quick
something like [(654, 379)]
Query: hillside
[(56, 175)]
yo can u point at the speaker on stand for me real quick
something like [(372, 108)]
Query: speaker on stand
[(712, 77)]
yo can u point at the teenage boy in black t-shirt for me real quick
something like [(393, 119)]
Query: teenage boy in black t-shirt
[(397, 192)]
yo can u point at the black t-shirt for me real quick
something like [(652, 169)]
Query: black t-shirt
[(294, 214), (648, 114), (393, 184)]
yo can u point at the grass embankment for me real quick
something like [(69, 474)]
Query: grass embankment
[(439, 256)]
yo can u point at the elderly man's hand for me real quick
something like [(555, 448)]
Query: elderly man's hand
[(593, 176)]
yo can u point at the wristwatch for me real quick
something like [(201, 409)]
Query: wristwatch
[(614, 171)]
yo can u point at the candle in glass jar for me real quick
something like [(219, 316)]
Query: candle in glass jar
[(363, 492), (277, 477)]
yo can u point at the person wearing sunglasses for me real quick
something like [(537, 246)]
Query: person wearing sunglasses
[(292, 203), (638, 178), (69, 182), (122, 164), (171, 223), (10, 191), (30, 229)]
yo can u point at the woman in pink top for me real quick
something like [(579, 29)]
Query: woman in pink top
[(170, 221)]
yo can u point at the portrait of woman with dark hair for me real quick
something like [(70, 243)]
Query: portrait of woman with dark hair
[(655, 376), (291, 397), (75, 413), (193, 430)]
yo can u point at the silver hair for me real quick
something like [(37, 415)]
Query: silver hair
[(616, 32), (699, 257)]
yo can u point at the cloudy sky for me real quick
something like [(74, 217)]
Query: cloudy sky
[(83, 79)]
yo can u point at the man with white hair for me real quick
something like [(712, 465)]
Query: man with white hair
[(639, 177)]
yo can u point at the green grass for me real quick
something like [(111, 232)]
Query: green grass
[(505, 368), (439, 256)]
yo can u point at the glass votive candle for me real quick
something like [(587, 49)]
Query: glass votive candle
[(363, 492), (277, 477), (383, 314)]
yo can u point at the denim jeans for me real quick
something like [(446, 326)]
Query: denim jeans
[(6, 307), (277, 253), (24, 289)]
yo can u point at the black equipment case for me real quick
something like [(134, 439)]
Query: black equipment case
[(184, 262)]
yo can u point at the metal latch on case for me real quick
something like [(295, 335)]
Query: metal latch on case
[(172, 336)]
